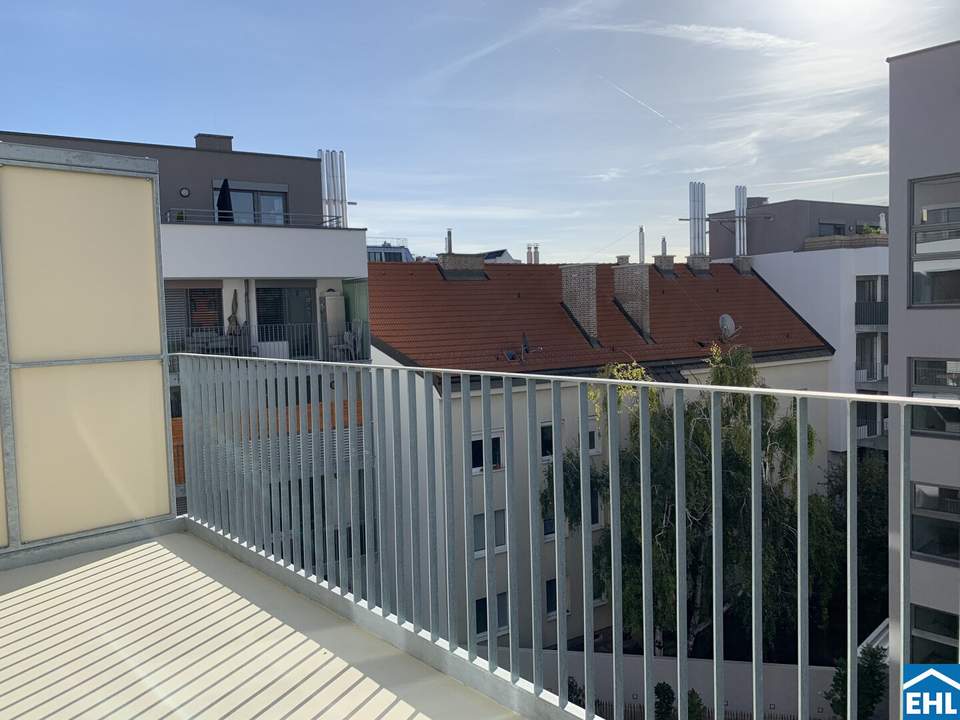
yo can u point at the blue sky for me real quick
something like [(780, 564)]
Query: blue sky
[(566, 124)]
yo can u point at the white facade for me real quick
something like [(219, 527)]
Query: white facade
[(821, 286), (261, 251)]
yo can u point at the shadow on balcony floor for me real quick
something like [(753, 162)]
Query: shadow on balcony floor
[(172, 628)]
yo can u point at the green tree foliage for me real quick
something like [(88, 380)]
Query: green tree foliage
[(696, 710), (663, 701), (871, 684)]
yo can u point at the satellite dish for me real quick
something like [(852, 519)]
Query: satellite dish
[(728, 328)]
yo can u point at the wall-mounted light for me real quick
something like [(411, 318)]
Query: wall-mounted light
[(184, 192)]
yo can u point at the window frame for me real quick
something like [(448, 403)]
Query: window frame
[(942, 516), (945, 640), (502, 629), (918, 227), (494, 435), (932, 393), (257, 206), (499, 549)]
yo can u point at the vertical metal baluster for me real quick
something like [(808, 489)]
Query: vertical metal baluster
[(226, 454), (343, 568), (433, 591), (382, 506), (212, 443), (716, 486), (756, 560), (188, 418), (236, 461), (316, 468), (399, 602), (803, 540), (330, 519), (852, 654), (906, 534), (303, 522), (646, 551), (254, 457), (353, 463), (616, 555), (680, 478), (369, 493), (273, 425), (243, 445), (263, 452), (223, 511), (511, 518), (560, 541), (199, 432), (489, 525), (586, 536), (469, 563), (449, 516), (293, 460), (534, 480), (413, 466), (283, 435)]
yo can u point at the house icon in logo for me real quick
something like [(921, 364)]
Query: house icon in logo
[(932, 692)]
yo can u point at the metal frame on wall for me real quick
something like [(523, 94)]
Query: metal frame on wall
[(49, 158)]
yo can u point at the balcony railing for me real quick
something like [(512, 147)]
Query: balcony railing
[(871, 373), (194, 216), (294, 341), (871, 312), (278, 474)]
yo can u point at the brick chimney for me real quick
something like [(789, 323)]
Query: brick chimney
[(461, 264), (631, 290), (580, 297), (206, 141)]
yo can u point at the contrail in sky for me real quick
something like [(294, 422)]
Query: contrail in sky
[(637, 100)]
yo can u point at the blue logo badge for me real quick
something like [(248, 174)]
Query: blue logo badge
[(931, 692)]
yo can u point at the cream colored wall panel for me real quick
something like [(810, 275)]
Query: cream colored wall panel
[(79, 264), (4, 539), (91, 447)]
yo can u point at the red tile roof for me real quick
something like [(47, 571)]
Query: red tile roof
[(422, 319)]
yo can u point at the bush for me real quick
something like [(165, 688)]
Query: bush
[(871, 686), (696, 710), (663, 704)]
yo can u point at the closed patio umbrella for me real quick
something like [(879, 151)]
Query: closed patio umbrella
[(224, 204)]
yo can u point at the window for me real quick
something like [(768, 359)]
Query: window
[(826, 229), (593, 447), (934, 636), (594, 506), (253, 207), (477, 449), (503, 608), (937, 499), (936, 379), (546, 441), (500, 532), (551, 596), (935, 241), (936, 522)]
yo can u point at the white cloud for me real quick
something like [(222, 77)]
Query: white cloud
[(731, 38), (863, 155), (608, 175)]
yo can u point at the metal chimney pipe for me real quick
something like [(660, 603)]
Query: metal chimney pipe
[(449, 241), (663, 245), (883, 222), (536, 254), (529, 254), (642, 256), (692, 215), (740, 218)]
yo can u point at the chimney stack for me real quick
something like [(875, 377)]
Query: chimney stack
[(536, 254), (741, 261), (580, 297), (883, 223), (642, 257), (623, 259), (698, 261), (529, 254), (663, 262), (631, 289), (208, 141), (449, 246)]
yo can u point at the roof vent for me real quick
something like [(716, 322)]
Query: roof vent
[(623, 259), (208, 141)]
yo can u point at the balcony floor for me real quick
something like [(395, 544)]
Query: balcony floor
[(172, 628)]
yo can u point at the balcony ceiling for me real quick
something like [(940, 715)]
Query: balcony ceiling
[(173, 628)]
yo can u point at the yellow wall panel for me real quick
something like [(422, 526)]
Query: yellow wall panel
[(91, 446), (79, 264)]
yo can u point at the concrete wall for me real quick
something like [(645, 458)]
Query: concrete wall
[(830, 310), (924, 106), (81, 284), (262, 251), (792, 222), (196, 170)]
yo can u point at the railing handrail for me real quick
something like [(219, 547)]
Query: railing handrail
[(200, 216), (696, 387)]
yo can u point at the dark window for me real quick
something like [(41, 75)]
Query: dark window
[(551, 595), (828, 229), (594, 506), (477, 449), (500, 532), (936, 537), (936, 379), (936, 241), (546, 441), (253, 207), (934, 636), (503, 615)]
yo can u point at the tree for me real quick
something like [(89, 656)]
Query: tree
[(575, 691), (696, 710), (663, 702), (871, 684)]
